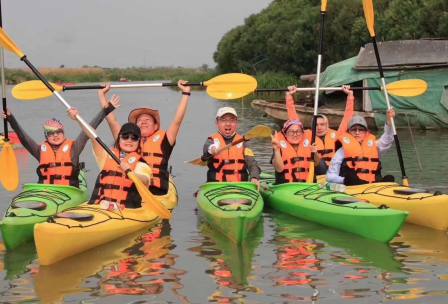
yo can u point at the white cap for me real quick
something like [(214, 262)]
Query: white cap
[(226, 110)]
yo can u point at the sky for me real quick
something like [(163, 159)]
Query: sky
[(118, 33)]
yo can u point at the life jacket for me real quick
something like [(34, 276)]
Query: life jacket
[(296, 163), (114, 185), (156, 158), (56, 167), (329, 146), (363, 158), (229, 165)]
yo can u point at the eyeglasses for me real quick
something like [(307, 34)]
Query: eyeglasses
[(358, 130), (54, 133), (230, 120), (130, 136), (294, 132)]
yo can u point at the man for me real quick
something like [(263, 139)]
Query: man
[(358, 160), (235, 163)]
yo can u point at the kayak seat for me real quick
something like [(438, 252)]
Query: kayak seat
[(342, 200), (80, 217), (38, 206), (231, 202), (410, 191)]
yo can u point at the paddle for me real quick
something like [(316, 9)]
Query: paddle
[(403, 88), (370, 21), (258, 131), (222, 87), (323, 9), (9, 171), (149, 200)]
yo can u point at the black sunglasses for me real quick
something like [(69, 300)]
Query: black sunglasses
[(126, 136)]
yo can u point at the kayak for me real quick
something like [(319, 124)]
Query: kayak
[(425, 208), (34, 205), (232, 208), (314, 203), (87, 226)]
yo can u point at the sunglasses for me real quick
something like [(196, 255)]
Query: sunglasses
[(358, 130), (54, 133), (130, 136)]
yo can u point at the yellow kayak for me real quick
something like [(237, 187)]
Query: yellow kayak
[(87, 226), (425, 208)]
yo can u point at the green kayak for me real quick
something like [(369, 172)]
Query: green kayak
[(232, 208), (333, 209), (34, 205)]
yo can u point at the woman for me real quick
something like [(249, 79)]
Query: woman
[(58, 155), (114, 190)]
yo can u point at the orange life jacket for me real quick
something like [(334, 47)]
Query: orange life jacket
[(363, 158), (156, 158), (329, 146), (113, 184), (56, 167), (296, 163), (229, 165)]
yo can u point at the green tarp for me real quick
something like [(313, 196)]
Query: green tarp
[(429, 110)]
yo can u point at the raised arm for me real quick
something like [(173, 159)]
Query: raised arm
[(30, 145), (290, 105), (173, 130), (349, 110), (112, 120)]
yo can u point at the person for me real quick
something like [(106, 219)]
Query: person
[(327, 135), (58, 156), (156, 144), (114, 190), (358, 160), (292, 153), (236, 163)]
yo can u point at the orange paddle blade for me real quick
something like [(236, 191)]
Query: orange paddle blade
[(148, 199), (369, 14), (9, 171), (9, 45), (323, 6)]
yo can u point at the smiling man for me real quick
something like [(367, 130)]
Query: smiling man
[(234, 164)]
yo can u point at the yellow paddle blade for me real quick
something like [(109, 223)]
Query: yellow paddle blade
[(310, 177), (9, 45), (9, 171), (230, 86), (369, 14), (407, 88), (33, 89), (197, 162), (148, 199), (323, 6), (258, 131)]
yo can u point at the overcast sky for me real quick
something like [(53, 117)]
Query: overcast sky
[(122, 33)]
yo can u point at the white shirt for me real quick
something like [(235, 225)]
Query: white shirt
[(383, 144)]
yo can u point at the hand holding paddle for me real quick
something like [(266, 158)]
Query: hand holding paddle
[(259, 131), (149, 200), (222, 87)]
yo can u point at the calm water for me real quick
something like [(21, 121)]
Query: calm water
[(286, 260)]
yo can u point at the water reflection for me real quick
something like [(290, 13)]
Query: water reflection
[(231, 264), (132, 265)]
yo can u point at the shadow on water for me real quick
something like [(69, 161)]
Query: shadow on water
[(16, 261), (127, 266), (231, 264)]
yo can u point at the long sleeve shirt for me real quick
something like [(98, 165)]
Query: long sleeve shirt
[(383, 144), (79, 144)]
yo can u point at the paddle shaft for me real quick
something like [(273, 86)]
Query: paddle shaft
[(386, 96), (233, 143), (2, 63), (321, 89), (128, 86), (67, 105)]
